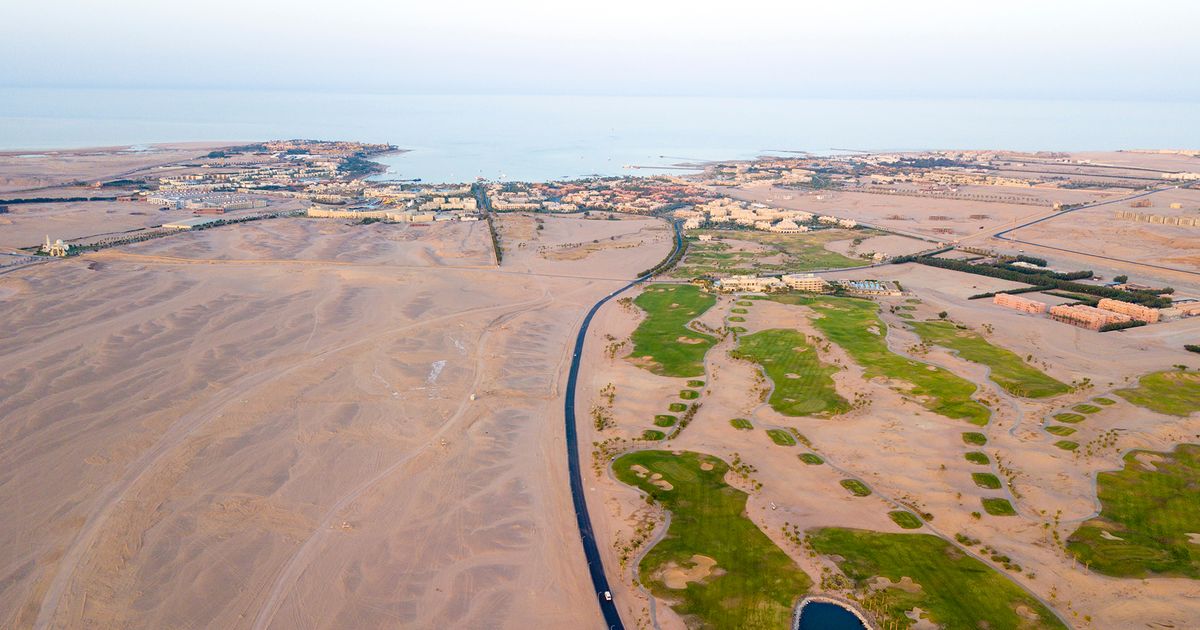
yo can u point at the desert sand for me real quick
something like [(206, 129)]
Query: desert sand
[(298, 423)]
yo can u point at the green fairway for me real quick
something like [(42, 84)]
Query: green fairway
[(974, 439), (741, 424), (803, 384), (737, 319), (1060, 430), (1085, 408), (1069, 417), (651, 434), (677, 407), (1008, 370), (976, 457), (812, 459), (1104, 401), (689, 394), (986, 480), (1149, 517), (905, 519), (1171, 393), (714, 567), (739, 311), (955, 590), (663, 343), (856, 487), (781, 437), (854, 325), (1067, 445), (665, 420), (998, 507), (694, 383)]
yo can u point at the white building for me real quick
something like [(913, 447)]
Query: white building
[(750, 283)]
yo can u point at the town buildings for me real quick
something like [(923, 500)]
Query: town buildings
[(1085, 316), (1018, 303), (1136, 311)]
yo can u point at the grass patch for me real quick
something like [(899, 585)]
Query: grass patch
[(1086, 408), (744, 303), (812, 459), (737, 329), (694, 383), (856, 487), (663, 343), (689, 394), (781, 437), (974, 439), (737, 319), (665, 420), (997, 506), (957, 591), (854, 325), (1104, 401), (1008, 370), (753, 584), (1150, 511), (1070, 418), (803, 383), (977, 457), (794, 252), (739, 311), (741, 424), (676, 407), (986, 480), (905, 519), (1170, 393), (1067, 445), (651, 434), (904, 316), (1060, 430)]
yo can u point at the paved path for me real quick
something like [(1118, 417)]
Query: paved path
[(612, 618)]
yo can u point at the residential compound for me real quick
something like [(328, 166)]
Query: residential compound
[(1107, 311), (635, 195), (1019, 303), (725, 211), (1086, 316)]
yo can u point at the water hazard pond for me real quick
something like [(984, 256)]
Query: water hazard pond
[(827, 616)]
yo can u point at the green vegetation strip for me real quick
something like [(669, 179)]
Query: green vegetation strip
[(812, 459), (803, 383), (1060, 430), (856, 487), (1071, 418), (689, 394), (739, 311), (1149, 517), (663, 343), (1067, 445), (905, 519), (956, 590), (986, 480), (651, 434), (694, 383), (854, 325), (781, 437), (665, 420), (998, 507), (1086, 408), (741, 424), (753, 583), (1104, 401), (974, 439), (1008, 370), (737, 319), (976, 457), (677, 407), (1170, 393)]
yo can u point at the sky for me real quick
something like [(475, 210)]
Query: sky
[(1061, 49)]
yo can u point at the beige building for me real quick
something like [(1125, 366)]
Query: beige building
[(1086, 316), (1018, 303), (750, 283), (1136, 311), (804, 282)]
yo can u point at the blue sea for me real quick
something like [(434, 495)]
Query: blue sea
[(460, 138)]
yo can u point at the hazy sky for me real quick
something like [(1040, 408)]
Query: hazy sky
[(1146, 50)]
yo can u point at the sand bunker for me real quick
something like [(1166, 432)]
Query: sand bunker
[(677, 577), (1193, 538), (706, 466), (689, 340), (791, 375), (657, 480), (1148, 460), (1107, 536), (905, 584)]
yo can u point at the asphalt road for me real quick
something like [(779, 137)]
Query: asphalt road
[(612, 618)]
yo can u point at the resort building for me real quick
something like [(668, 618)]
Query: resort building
[(1018, 303), (1136, 311), (750, 283), (804, 282), (871, 287), (1085, 316)]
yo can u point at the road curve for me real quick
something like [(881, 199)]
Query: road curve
[(608, 607)]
